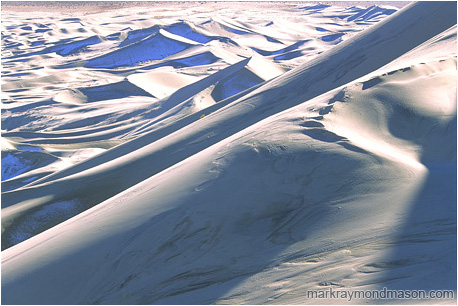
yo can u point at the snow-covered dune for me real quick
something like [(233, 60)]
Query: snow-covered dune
[(232, 157), (66, 109)]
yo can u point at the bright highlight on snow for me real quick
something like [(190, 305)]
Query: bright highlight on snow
[(228, 153)]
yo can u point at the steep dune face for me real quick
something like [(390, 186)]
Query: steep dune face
[(338, 174), (408, 125)]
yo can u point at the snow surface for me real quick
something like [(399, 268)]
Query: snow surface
[(243, 155), (12, 166)]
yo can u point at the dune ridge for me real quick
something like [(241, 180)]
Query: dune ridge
[(221, 67)]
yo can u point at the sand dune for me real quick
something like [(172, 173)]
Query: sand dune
[(241, 155)]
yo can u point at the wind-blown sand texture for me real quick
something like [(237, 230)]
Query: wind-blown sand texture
[(234, 153)]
